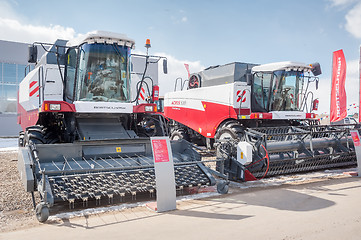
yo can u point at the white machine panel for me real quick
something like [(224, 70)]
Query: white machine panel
[(53, 86), (244, 153)]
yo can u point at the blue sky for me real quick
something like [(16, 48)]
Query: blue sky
[(205, 33)]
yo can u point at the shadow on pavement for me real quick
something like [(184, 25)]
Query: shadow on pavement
[(290, 197)]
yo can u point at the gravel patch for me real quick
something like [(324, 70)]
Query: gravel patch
[(16, 208)]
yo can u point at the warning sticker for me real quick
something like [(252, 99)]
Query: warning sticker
[(160, 150)]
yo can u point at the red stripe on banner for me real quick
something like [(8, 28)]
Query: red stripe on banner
[(32, 83), (34, 91), (359, 110), (338, 93), (187, 68)]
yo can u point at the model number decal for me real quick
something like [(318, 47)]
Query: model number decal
[(178, 102)]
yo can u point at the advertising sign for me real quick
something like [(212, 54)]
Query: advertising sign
[(338, 93), (356, 141), (164, 174)]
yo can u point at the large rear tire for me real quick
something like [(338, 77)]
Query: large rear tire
[(229, 131), (179, 134)]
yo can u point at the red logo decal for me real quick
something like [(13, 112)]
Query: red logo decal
[(33, 88), (240, 97)]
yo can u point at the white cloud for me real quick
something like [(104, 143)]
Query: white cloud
[(6, 11), (339, 3), (14, 28), (184, 19), (353, 16), (176, 69), (353, 21)]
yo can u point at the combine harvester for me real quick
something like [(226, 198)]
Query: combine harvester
[(260, 119), (86, 134)]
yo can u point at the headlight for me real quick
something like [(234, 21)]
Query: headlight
[(54, 107), (148, 108)]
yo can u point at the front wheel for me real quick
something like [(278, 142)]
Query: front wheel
[(222, 187), (21, 139), (39, 135), (42, 212)]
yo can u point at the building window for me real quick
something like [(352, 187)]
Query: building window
[(10, 77), (21, 72), (9, 73)]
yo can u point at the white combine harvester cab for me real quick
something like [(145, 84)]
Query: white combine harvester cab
[(281, 88)]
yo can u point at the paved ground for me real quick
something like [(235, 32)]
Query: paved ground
[(326, 209)]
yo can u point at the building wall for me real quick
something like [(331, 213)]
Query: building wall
[(9, 126), (13, 60)]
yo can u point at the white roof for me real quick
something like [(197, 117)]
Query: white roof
[(102, 37), (270, 67)]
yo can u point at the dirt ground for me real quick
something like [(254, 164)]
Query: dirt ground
[(16, 208), (320, 208)]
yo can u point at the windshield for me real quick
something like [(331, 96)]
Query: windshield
[(286, 88), (103, 73), (277, 91)]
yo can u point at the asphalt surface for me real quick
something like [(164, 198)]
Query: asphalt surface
[(321, 209)]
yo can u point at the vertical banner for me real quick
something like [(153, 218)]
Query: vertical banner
[(187, 68), (359, 102), (338, 109)]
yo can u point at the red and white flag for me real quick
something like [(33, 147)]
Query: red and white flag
[(187, 67), (338, 93)]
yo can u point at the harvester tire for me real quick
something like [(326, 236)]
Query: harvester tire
[(42, 212), (34, 137), (21, 139), (50, 137), (152, 127), (231, 130), (179, 134), (228, 131), (39, 135)]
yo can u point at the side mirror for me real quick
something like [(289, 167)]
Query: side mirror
[(165, 66), (316, 69), (249, 78), (33, 54)]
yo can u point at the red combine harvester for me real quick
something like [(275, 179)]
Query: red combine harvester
[(260, 118), (87, 118)]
